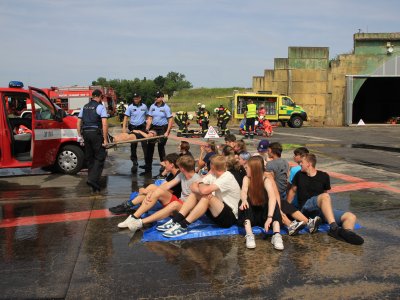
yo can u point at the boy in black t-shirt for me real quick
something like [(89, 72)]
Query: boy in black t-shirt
[(311, 186)]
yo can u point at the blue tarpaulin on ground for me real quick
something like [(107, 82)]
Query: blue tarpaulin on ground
[(204, 227)]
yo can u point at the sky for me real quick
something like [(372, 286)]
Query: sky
[(213, 43)]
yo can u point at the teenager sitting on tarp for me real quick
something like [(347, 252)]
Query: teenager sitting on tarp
[(171, 202), (172, 170), (217, 195)]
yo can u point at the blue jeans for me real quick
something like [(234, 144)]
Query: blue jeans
[(310, 209)]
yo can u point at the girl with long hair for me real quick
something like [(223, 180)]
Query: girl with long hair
[(259, 205)]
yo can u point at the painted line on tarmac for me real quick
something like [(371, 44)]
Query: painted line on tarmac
[(345, 177), (357, 184), (56, 218), (307, 137)]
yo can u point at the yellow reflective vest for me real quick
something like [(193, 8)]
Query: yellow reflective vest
[(251, 111)]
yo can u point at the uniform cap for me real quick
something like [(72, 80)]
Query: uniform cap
[(159, 94), (263, 146), (135, 95), (96, 93)]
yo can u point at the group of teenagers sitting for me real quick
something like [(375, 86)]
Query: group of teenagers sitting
[(234, 187)]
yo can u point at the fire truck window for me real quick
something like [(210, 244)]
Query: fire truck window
[(44, 110)]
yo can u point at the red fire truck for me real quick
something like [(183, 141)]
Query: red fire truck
[(34, 132), (73, 98)]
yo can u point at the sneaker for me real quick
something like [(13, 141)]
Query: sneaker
[(313, 224), (166, 226), (135, 225), (175, 231), (277, 241), (346, 235), (158, 177), (295, 227), (119, 209), (250, 241), (126, 223)]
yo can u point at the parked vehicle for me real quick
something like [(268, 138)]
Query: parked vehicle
[(73, 98), (276, 107), (37, 133)]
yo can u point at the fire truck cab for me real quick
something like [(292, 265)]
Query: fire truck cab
[(37, 133)]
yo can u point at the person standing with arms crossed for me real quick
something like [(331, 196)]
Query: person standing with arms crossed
[(136, 113), (160, 120), (92, 126), (250, 114)]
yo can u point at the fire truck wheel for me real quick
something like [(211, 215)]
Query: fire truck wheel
[(69, 159), (296, 122)]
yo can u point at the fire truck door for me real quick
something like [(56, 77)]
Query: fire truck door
[(46, 130)]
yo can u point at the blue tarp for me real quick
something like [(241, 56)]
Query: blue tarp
[(204, 227)]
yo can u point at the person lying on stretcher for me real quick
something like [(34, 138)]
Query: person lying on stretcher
[(133, 135)]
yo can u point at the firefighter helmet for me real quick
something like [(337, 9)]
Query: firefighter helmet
[(190, 116)]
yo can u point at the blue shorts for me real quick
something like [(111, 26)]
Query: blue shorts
[(310, 209)]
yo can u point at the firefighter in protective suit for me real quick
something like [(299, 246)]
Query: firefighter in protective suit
[(181, 119), (121, 112), (203, 119), (223, 117)]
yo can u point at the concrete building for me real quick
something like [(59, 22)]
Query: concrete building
[(364, 84)]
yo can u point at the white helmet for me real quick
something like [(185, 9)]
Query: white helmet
[(216, 109), (203, 106), (190, 116), (199, 104), (121, 102)]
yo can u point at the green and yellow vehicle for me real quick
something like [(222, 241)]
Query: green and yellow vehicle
[(277, 108)]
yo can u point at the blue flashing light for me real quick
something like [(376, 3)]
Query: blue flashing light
[(16, 84)]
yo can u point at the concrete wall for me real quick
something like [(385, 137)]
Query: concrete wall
[(319, 84)]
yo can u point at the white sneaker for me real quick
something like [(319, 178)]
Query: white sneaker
[(250, 241), (313, 224), (166, 226), (277, 241), (125, 223), (295, 227), (135, 225)]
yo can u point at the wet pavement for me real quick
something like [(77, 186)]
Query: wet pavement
[(58, 241)]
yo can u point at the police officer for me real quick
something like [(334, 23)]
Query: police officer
[(159, 119), (250, 114), (92, 126), (135, 117)]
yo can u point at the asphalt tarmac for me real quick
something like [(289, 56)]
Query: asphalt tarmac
[(58, 241)]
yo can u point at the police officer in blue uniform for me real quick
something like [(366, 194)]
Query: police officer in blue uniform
[(92, 126), (135, 116), (160, 120)]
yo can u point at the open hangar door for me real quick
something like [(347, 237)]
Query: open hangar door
[(377, 100)]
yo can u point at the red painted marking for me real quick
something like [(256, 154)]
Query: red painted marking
[(354, 187), (56, 218), (345, 177)]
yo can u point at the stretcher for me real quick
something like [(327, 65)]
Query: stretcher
[(115, 144)]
